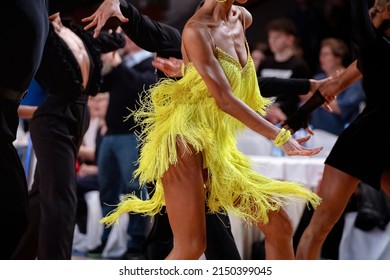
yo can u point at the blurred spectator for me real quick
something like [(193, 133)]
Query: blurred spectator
[(334, 56), (87, 169), (129, 75), (259, 53), (284, 63)]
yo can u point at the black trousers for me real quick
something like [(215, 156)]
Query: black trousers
[(220, 241), (24, 27), (56, 138), (13, 187)]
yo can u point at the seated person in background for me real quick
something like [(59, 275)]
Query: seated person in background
[(285, 62), (333, 58), (86, 167)]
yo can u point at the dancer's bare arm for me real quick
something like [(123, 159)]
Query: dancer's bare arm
[(207, 65)]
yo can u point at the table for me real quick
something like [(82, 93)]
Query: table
[(304, 170)]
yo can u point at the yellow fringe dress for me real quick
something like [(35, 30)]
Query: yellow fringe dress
[(186, 110)]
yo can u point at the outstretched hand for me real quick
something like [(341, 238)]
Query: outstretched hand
[(293, 147), (107, 10)]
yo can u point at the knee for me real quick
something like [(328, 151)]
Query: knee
[(321, 225), (279, 227)]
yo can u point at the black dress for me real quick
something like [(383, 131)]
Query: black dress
[(361, 150)]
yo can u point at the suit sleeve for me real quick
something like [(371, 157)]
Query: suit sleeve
[(150, 35), (272, 86)]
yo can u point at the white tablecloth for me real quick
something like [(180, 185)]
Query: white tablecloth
[(357, 244), (305, 170)]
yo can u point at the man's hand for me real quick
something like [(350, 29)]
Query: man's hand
[(107, 10), (171, 67), (275, 115)]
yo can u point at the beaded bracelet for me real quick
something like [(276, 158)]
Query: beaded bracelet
[(283, 136)]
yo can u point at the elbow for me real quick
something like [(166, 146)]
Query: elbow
[(225, 104)]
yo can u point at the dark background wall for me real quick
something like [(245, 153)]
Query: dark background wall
[(323, 18)]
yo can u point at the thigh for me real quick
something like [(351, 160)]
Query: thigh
[(335, 189), (56, 154), (185, 194)]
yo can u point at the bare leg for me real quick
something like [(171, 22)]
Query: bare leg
[(185, 204), (385, 182), (278, 236), (335, 190)]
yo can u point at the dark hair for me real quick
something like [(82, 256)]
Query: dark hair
[(284, 25)]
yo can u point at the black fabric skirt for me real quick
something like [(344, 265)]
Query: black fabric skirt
[(363, 150)]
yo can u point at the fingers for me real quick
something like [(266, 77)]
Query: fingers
[(90, 18), (327, 107), (96, 32), (329, 98), (312, 152), (99, 25), (161, 60), (309, 130), (94, 22), (122, 18), (158, 65), (304, 152), (303, 140), (89, 25)]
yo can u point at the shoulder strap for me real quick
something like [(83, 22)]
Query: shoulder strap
[(242, 17), (208, 31)]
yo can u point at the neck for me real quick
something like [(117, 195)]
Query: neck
[(221, 10), (284, 55)]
